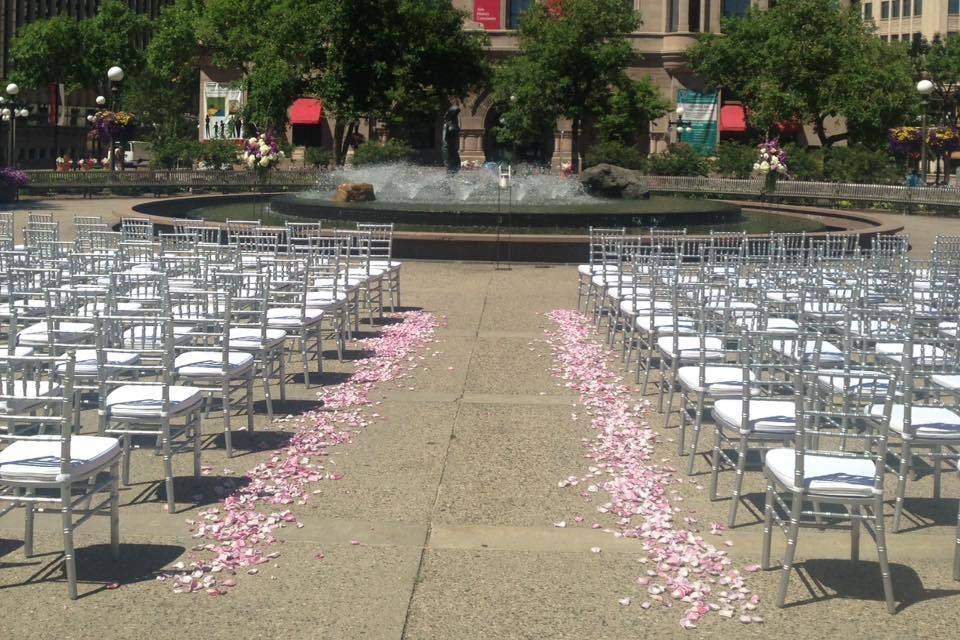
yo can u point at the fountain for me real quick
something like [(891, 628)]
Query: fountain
[(432, 199)]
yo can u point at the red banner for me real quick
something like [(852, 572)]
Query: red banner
[(487, 13)]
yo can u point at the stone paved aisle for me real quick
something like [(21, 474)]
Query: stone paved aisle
[(451, 496)]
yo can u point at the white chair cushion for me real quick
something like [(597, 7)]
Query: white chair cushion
[(252, 338), (28, 307), (936, 423), (867, 383), (926, 353), (36, 334), (591, 269), (720, 381), (86, 364), (200, 364), (665, 325), (829, 352), (783, 296), (951, 382), (949, 328), (290, 317), (628, 292), (32, 393), (773, 325), (386, 265), (609, 279), (146, 401), (340, 283), (689, 347), (39, 460), (772, 417), (145, 336), (824, 475), (732, 305), (644, 307)]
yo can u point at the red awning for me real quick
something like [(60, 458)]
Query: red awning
[(733, 118), (306, 111)]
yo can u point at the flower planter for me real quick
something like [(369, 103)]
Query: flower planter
[(8, 193)]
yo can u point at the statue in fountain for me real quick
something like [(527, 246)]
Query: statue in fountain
[(451, 139)]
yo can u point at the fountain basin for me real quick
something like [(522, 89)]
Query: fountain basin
[(455, 215)]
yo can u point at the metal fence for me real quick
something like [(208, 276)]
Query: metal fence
[(170, 179), (795, 189), (182, 179)]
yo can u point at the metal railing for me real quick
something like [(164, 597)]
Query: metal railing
[(795, 189), (173, 179)]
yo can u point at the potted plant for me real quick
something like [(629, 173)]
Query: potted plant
[(771, 163), (11, 180)]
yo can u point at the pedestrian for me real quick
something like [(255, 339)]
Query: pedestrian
[(913, 180)]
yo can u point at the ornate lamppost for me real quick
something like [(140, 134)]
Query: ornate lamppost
[(682, 126), (924, 88)]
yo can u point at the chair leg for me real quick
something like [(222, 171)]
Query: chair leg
[(902, 473), (282, 364), (227, 410), (28, 526), (715, 463), (738, 481), (956, 550), (937, 470), (306, 363), (249, 388), (856, 513), (69, 559), (193, 426), (168, 470), (767, 525), (115, 512), (695, 438), (880, 533), (125, 471), (791, 549)]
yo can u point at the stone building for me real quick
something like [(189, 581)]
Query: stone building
[(35, 147)]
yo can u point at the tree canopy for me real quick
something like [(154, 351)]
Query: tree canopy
[(572, 64), (811, 60), (78, 53)]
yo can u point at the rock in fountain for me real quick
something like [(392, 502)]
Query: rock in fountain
[(611, 181), (354, 192)]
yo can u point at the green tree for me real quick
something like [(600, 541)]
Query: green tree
[(940, 62), (394, 61), (813, 60), (572, 64)]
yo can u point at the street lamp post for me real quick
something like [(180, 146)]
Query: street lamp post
[(115, 77), (924, 88), (12, 109), (682, 125)]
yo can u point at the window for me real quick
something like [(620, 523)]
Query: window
[(693, 18), (867, 10), (517, 7), (673, 16), (953, 7), (734, 8), (906, 8), (885, 9), (895, 9), (917, 7), (894, 38)]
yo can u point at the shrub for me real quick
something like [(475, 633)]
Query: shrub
[(860, 164), (678, 160), (806, 163), (392, 150), (11, 177), (317, 157), (614, 152), (735, 159), (171, 153), (219, 153)]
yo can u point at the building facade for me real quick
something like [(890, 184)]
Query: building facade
[(37, 142), (669, 28)]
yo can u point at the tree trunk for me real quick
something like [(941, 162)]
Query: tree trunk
[(343, 133), (575, 146), (821, 132)]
